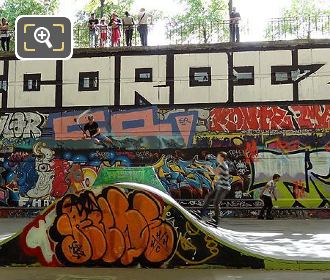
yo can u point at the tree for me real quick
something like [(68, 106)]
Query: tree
[(300, 19), (11, 9), (201, 20), (107, 7)]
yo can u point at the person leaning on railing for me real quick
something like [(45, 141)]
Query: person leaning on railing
[(142, 26), (115, 23), (103, 27), (5, 36), (93, 31), (235, 17), (128, 26)]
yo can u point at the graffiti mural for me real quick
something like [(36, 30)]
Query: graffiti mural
[(22, 125), (38, 177), (136, 128), (269, 118), (115, 227), (191, 179), (43, 156)]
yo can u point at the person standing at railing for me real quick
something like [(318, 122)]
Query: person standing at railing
[(93, 31), (5, 36), (115, 31), (143, 26), (235, 17), (103, 27), (128, 26)]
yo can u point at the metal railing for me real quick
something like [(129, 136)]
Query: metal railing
[(202, 32), (217, 31), (305, 27), (81, 37)]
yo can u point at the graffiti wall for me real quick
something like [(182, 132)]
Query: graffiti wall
[(44, 156), (267, 106)]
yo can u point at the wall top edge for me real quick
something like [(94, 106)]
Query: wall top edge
[(242, 46)]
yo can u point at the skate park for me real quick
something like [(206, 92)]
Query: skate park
[(71, 191)]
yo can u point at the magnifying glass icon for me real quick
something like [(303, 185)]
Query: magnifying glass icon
[(42, 35)]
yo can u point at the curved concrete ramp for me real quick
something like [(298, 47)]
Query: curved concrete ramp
[(130, 224)]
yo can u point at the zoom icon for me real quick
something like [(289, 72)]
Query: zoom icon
[(43, 38)]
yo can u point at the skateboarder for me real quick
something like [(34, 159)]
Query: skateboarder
[(221, 187), (267, 192), (94, 132)]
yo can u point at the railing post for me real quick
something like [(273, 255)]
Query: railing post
[(181, 34), (78, 34), (170, 35)]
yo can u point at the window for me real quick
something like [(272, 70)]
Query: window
[(243, 75), (88, 81), (3, 83), (31, 82), (199, 77), (143, 75), (291, 74), (283, 75)]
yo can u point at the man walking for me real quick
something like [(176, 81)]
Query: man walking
[(93, 31), (221, 187), (235, 17), (266, 195)]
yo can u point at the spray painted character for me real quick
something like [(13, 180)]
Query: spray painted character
[(45, 171)]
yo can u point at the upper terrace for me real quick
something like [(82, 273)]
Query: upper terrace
[(210, 32)]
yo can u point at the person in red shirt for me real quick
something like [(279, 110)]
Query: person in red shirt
[(115, 34)]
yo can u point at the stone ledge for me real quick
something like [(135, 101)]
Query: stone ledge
[(243, 46)]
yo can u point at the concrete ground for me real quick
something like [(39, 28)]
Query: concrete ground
[(151, 274), (296, 228)]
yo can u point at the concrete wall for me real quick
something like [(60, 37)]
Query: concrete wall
[(170, 108)]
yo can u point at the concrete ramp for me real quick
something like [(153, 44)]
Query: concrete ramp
[(135, 225)]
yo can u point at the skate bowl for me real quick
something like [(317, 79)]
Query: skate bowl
[(135, 225)]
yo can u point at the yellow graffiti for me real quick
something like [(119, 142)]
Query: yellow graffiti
[(211, 245), (186, 245)]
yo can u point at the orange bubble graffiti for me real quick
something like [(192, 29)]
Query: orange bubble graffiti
[(112, 227)]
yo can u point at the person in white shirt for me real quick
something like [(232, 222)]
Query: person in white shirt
[(267, 192), (143, 26)]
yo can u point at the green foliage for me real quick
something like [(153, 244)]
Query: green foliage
[(118, 6), (300, 19), (11, 9), (202, 20)]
